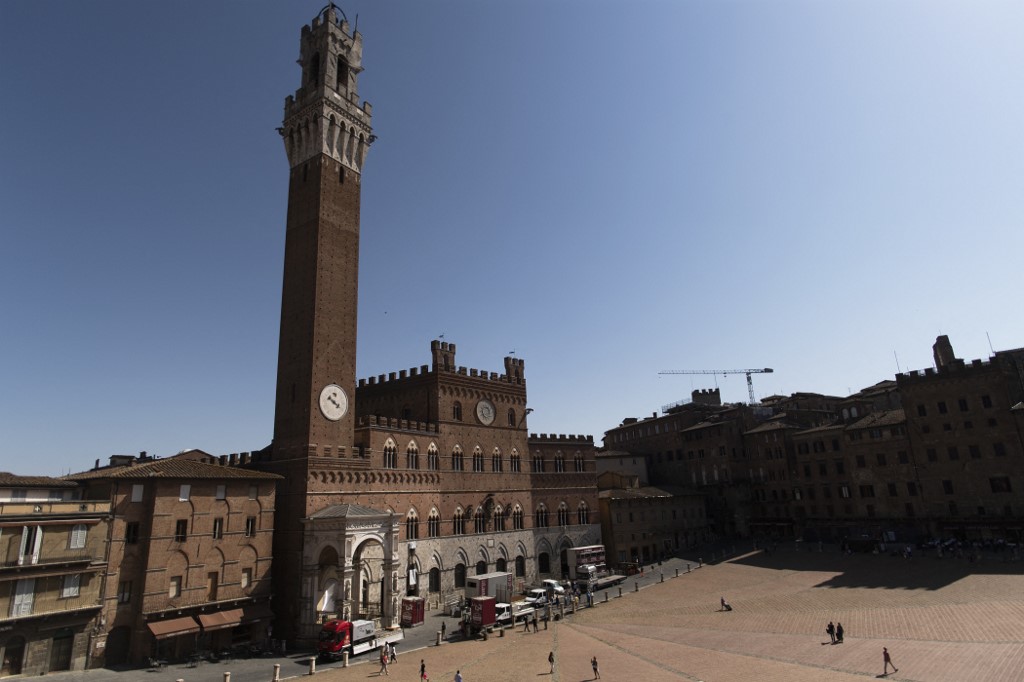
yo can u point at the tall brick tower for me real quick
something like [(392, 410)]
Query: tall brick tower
[(326, 134)]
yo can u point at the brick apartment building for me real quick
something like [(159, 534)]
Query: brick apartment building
[(188, 556), (936, 452), (53, 545)]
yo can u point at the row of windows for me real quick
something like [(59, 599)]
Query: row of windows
[(181, 534), (962, 405), (497, 520), (477, 460), (30, 547), (968, 425), (185, 492)]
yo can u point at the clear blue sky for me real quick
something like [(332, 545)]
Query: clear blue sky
[(610, 189)]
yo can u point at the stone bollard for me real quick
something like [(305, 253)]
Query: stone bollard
[(277, 673), (438, 633), (344, 659), (561, 611), (227, 677), (687, 568), (662, 577), (546, 623), (484, 632), (606, 595), (501, 632), (312, 666), (179, 680), (620, 590), (677, 572), (636, 585), (700, 562)]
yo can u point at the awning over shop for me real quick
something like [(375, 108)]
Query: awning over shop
[(220, 619), (163, 629), (255, 612)]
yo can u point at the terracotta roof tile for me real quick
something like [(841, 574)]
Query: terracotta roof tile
[(9, 480), (172, 468)]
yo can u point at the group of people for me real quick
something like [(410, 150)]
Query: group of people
[(389, 655), (835, 632)]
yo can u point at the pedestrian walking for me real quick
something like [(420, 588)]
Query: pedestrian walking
[(887, 660), (458, 676), (535, 623), (383, 661), (597, 671), (423, 671), (526, 624), (839, 633), (551, 661), (394, 652), (444, 631), (831, 630)]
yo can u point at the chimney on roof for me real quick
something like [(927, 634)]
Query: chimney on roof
[(942, 351)]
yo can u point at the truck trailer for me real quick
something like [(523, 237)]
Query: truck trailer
[(497, 585), (339, 636)]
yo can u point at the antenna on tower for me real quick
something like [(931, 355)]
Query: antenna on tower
[(991, 349), (898, 370)]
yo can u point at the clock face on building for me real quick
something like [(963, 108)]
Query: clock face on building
[(333, 402), (485, 412)]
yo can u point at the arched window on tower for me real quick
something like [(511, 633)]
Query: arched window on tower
[(513, 462), (412, 456), (458, 523), (479, 521), (433, 461), (342, 83), (478, 459), (457, 411), (390, 454), (517, 518), (563, 515), (412, 525), (496, 460), (457, 460), (499, 521), (581, 464), (559, 463), (511, 417), (434, 524), (540, 517), (582, 514), (314, 71), (538, 463)]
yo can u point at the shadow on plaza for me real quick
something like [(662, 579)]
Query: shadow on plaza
[(881, 570)]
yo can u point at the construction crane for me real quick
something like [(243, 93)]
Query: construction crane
[(748, 372)]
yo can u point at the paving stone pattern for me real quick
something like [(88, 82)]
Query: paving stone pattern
[(942, 620)]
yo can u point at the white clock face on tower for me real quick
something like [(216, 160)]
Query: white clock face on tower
[(485, 412), (333, 402)]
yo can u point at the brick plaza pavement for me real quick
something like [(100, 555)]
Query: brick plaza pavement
[(943, 621)]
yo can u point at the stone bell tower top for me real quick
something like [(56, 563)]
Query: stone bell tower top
[(324, 115)]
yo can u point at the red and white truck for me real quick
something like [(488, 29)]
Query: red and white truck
[(339, 636)]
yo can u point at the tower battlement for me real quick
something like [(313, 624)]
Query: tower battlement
[(561, 438), (953, 367), (371, 421), (324, 115)]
